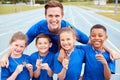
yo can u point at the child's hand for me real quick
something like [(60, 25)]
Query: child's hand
[(29, 67), (38, 63), (101, 58), (19, 69), (81, 78), (45, 66), (65, 63), (61, 55)]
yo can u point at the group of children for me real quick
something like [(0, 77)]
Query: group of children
[(67, 63)]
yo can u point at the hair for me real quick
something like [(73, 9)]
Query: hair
[(98, 26), (52, 4), (19, 36), (42, 35), (65, 29)]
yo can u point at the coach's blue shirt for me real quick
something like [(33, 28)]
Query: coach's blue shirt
[(42, 27)]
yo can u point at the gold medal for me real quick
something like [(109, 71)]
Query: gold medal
[(68, 57), (24, 63), (39, 62)]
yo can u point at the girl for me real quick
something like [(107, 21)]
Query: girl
[(19, 67), (42, 60), (71, 65)]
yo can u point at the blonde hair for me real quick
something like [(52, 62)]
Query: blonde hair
[(19, 36)]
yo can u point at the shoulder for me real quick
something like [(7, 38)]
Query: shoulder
[(56, 55), (38, 27), (25, 55), (65, 23), (51, 54), (44, 21), (34, 54), (83, 46), (39, 24), (78, 49)]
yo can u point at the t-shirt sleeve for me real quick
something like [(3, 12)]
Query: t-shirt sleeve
[(57, 64), (4, 73), (33, 62), (112, 65), (52, 62)]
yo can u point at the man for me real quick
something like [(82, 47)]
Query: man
[(52, 24)]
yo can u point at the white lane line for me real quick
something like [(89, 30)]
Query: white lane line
[(2, 34), (113, 45), (104, 23), (72, 18), (4, 51), (117, 74), (91, 9), (12, 31), (87, 21)]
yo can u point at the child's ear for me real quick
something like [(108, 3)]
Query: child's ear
[(106, 36), (50, 45)]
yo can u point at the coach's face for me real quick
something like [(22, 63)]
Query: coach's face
[(54, 16)]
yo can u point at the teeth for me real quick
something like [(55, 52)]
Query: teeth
[(97, 42)]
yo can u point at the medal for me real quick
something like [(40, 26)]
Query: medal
[(67, 57), (39, 62), (24, 63)]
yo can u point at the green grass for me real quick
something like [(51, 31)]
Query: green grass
[(78, 3), (16, 8), (111, 15)]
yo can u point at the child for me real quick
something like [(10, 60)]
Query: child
[(98, 65), (19, 67), (43, 59), (71, 65)]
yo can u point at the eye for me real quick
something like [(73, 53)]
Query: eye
[(100, 35), (92, 35), (22, 46), (50, 16), (68, 39), (45, 43), (39, 43), (57, 16), (61, 39), (16, 44)]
